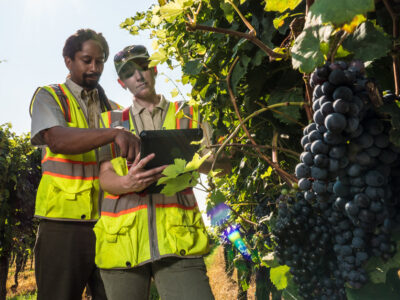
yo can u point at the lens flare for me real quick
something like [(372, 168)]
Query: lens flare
[(232, 234), (219, 215)]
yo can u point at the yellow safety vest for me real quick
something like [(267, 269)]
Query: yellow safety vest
[(138, 228), (69, 188)]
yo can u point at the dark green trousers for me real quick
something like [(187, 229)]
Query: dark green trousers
[(175, 279), (64, 261)]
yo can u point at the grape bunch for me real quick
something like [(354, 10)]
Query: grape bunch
[(349, 174), (303, 238)]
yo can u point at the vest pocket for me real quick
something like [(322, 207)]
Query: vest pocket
[(116, 242), (64, 204), (185, 232)]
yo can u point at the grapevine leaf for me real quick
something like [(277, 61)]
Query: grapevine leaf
[(281, 5), (377, 268), (158, 58), (174, 93), (368, 42), (172, 171), (329, 10), (174, 185), (306, 53), (172, 10), (279, 276), (193, 67), (196, 162)]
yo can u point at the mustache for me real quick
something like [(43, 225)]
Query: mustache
[(86, 75)]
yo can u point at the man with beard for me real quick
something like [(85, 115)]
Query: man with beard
[(65, 121)]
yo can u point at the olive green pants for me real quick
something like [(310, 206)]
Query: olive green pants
[(64, 261), (175, 279)]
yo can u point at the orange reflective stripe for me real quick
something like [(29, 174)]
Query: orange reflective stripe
[(69, 177), (178, 125), (66, 98), (113, 197), (69, 161), (176, 205), (123, 212)]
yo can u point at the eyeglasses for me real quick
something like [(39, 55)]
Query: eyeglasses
[(131, 66)]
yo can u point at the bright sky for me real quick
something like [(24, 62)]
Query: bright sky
[(32, 35)]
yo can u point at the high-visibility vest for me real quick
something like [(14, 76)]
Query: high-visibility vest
[(138, 228), (69, 188)]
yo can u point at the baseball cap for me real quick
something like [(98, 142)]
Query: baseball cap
[(126, 56)]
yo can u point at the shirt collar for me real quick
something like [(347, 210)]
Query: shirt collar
[(138, 109), (79, 91)]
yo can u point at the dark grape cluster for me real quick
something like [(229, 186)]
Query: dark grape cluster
[(303, 238), (349, 176)]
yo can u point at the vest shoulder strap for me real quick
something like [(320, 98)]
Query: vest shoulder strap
[(62, 96)]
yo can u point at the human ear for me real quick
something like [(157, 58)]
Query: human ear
[(68, 61)]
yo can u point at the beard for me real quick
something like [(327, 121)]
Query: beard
[(90, 81)]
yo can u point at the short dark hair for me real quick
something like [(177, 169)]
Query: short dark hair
[(74, 43)]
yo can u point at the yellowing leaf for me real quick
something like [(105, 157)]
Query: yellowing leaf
[(180, 114), (174, 93), (157, 58), (156, 20), (279, 21), (171, 10), (357, 20), (267, 173), (279, 276), (281, 5), (197, 142), (154, 45), (196, 162)]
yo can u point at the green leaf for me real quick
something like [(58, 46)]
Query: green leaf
[(306, 53), (388, 291), (217, 197), (196, 162), (368, 42), (174, 185), (279, 276), (281, 5), (339, 12), (229, 11), (377, 268), (174, 170), (193, 67), (267, 173)]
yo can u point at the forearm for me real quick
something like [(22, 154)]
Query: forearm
[(67, 140), (112, 183)]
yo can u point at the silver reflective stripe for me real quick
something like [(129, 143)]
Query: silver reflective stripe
[(123, 204), (73, 169)]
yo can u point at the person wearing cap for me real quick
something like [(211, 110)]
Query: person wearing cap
[(65, 122), (143, 235)]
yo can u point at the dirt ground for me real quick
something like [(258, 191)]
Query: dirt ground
[(223, 287)]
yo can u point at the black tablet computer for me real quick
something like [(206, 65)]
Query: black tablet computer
[(168, 145)]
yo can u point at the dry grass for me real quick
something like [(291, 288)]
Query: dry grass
[(26, 282), (223, 287)]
